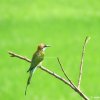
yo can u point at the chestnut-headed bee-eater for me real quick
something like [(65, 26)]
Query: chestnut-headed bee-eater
[(37, 58)]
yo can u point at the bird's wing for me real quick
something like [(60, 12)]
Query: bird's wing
[(36, 59)]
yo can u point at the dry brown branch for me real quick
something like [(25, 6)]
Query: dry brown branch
[(82, 60), (53, 74), (64, 72)]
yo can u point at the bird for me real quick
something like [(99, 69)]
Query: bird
[(37, 59)]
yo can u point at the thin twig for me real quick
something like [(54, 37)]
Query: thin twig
[(18, 56), (53, 74), (64, 72), (82, 60)]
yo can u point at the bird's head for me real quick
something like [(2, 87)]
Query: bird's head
[(42, 46)]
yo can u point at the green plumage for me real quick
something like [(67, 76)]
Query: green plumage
[(36, 59)]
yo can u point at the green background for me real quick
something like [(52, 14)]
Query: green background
[(63, 24)]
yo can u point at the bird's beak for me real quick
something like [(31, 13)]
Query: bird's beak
[(47, 46)]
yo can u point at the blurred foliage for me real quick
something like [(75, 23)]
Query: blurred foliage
[(64, 24)]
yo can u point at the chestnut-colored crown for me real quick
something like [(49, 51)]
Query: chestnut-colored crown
[(41, 46)]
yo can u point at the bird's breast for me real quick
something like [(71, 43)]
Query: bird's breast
[(41, 55)]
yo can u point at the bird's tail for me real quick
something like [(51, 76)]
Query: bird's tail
[(29, 78)]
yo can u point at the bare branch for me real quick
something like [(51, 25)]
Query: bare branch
[(82, 60), (18, 56), (53, 74), (64, 72), (41, 67)]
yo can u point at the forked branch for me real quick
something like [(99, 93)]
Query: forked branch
[(53, 74)]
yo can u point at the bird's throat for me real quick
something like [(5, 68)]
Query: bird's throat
[(43, 49)]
